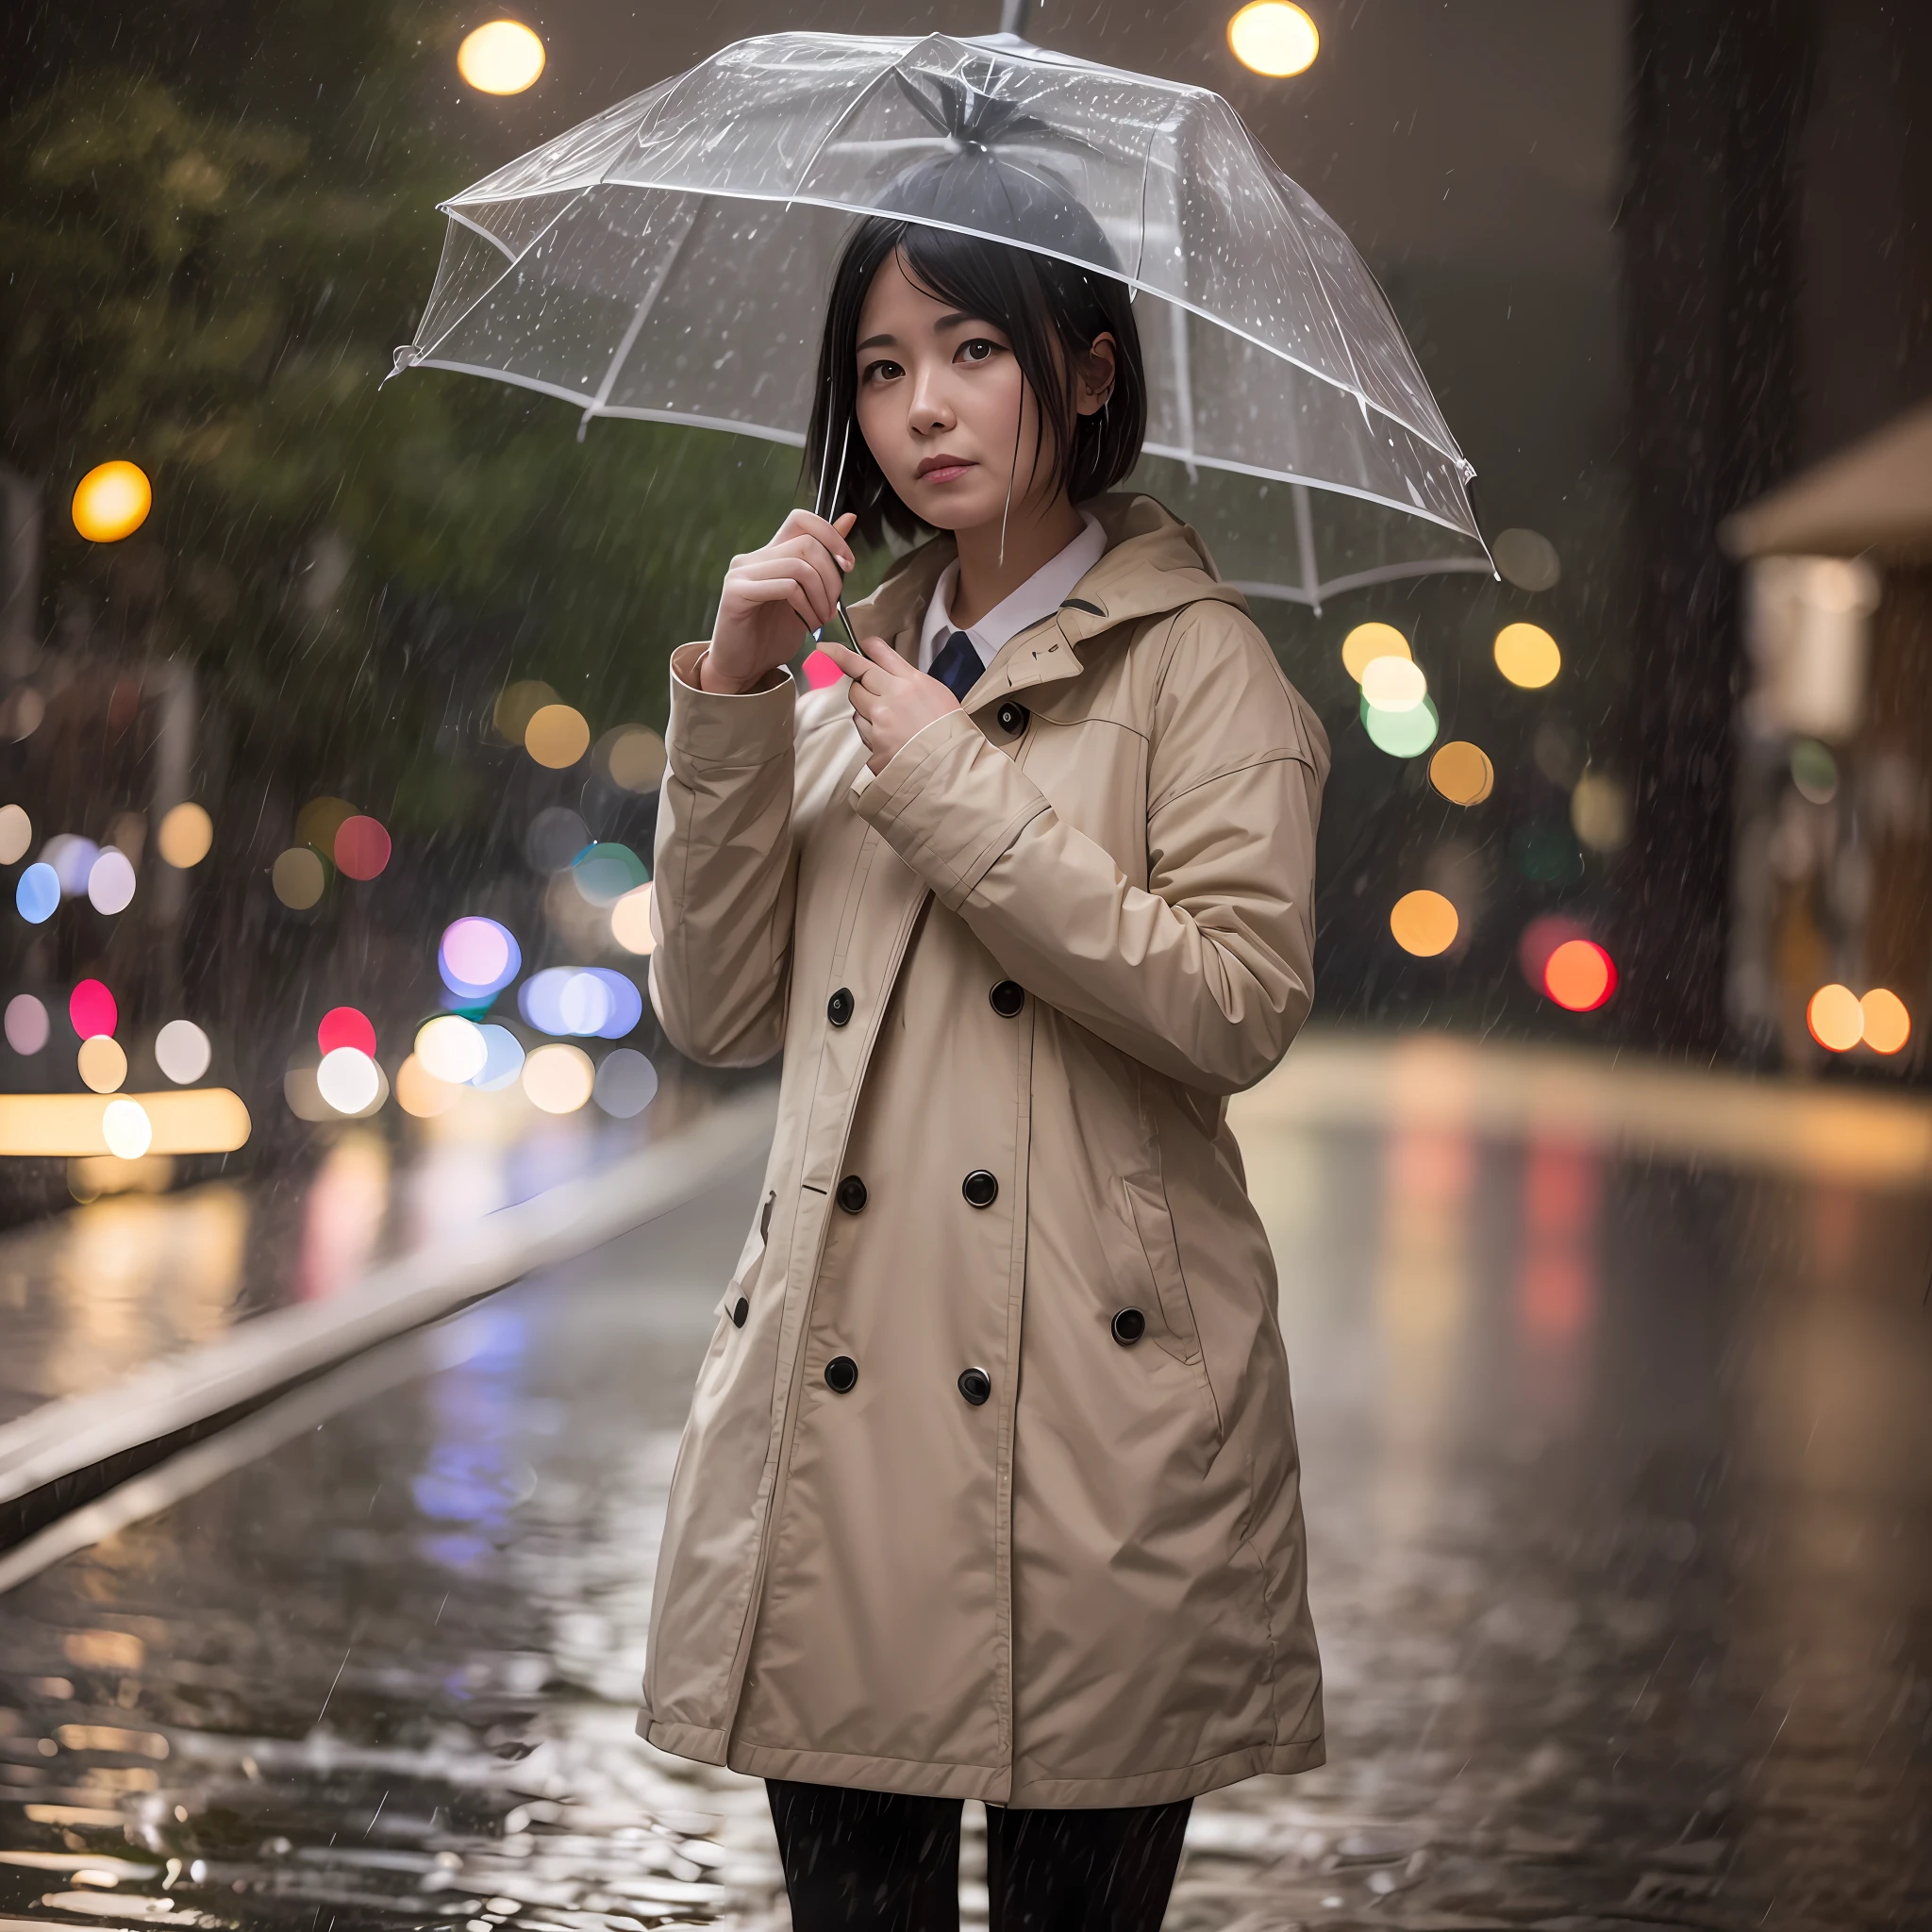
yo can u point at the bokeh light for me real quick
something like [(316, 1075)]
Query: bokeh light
[(1528, 655), (72, 857), (630, 922), (1401, 734), (126, 1128), (26, 1024), (1888, 1024), (348, 1079), (1394, 684), (1814, 770), (420, 1093), (298, 879), (16, 833), (584, 999), (1836, 1017), (1275, 37), (110, 882), (503, 1059), (1579, 975), (36, 893), (477, 958), (557, 736), (605, 873), (1528, 559), (185, 835), (503, 57), (516, 704), (362, 847), (103, 1064), (112, 501), (1462, 773), (558, 1079), (1368, 641), (1600, 813), (346, 1026), (819, 672), (320, 820), (626, 1083), (1423, 923), (182, 1052), (633, 756), (90, 1008), (553, 838), (452, 1048)]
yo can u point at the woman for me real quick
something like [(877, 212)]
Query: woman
[(990, 1488)]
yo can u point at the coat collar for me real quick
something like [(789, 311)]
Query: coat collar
[(1154, 564)]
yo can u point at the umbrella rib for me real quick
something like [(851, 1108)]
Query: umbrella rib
[(852, 106), (457, 321), (637, 320), (1384, 574)]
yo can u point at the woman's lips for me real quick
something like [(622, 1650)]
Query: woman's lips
[(948, 472)]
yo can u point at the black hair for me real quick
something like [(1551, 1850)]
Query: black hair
[(1052, 312)]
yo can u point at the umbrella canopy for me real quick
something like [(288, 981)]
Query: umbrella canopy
[(670, 260)]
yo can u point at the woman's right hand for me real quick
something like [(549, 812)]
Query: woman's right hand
[(793, 580)]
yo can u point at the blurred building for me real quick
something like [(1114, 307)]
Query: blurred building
[(1832, 873)]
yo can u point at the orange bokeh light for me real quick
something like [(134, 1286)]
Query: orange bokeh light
[(1579, 975), (1888, 1024), (1836, 1018)]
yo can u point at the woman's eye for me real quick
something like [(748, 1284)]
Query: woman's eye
[(978, 350), (880, 372)]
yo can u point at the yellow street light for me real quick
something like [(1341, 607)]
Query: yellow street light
[(112, 501), (1275, 37), (503, 58)]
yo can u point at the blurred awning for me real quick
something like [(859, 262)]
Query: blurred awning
[(1871, 500)]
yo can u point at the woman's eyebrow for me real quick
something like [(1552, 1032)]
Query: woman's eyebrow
[(880, 342)]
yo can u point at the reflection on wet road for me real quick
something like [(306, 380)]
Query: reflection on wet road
[(1617, 1476)]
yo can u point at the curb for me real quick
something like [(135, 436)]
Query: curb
[(67, 1453)]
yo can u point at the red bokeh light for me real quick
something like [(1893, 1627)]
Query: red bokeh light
[(1579, 975), (345, 1027), (820, 671), (1540, 938), (92, 1008), (362, 847)]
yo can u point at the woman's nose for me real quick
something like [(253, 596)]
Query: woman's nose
[(931, 411)]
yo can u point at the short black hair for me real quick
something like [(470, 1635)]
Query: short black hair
[(1052, 312)]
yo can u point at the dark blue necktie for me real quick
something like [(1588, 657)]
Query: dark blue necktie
[(957, 666)]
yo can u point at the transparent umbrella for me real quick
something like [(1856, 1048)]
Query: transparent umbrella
[(669, 260)]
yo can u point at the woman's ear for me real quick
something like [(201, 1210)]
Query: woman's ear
[(1097, 368)]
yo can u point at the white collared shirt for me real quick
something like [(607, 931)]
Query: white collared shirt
[(1040, 595)]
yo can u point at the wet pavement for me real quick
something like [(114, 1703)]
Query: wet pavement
[(1618, 1477)]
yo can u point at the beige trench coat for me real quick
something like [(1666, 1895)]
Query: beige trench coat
[(1013, 977)]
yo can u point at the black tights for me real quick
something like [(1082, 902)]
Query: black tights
[(872, 1861)]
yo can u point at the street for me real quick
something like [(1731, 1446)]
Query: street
[(1617, 1472)]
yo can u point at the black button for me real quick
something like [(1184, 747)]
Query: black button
[(981, 1187), (838, 1007), (852, 1193), (975, 1385), (841, 1374), (1012, 718), (740, 1310), (1128, 1326), (1008, 997)]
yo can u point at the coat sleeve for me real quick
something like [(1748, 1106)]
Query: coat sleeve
[(724, 871), (1207, 974)]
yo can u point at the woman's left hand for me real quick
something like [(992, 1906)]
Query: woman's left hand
[(890, 699)]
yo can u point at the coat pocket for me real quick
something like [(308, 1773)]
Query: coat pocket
[(744, 1277), (1177, 1334)]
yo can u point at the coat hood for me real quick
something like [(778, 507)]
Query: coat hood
[(1154, 564)]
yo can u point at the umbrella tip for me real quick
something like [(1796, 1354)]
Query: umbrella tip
[(1014, 17)]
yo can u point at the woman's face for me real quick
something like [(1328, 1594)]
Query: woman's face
[(943, 407)]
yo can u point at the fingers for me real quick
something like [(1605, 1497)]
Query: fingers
[(847, 659), (830, 535), (816, 600), (778, 587), (883, 655)]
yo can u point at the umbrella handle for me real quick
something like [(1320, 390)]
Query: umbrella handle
[(831, 510)]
